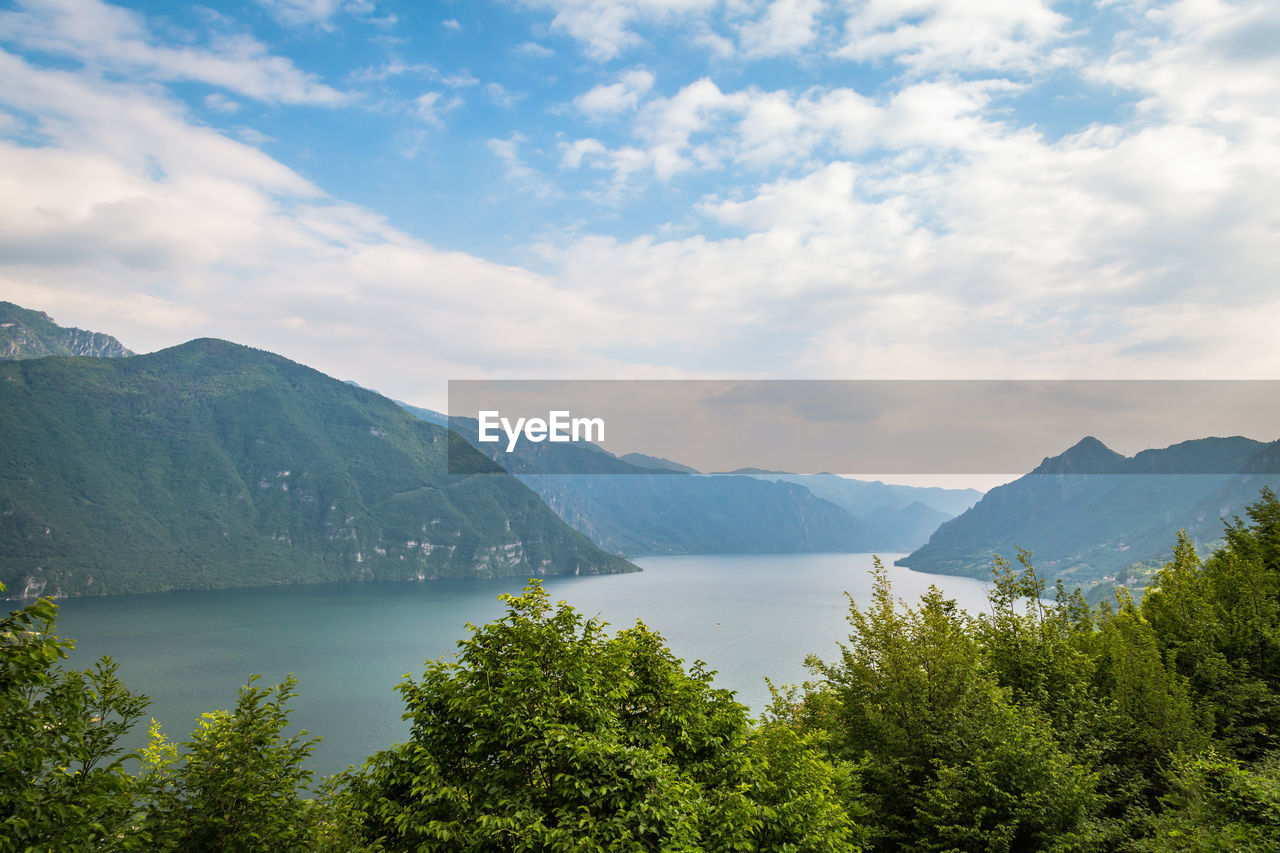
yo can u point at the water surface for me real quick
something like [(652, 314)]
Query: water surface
[(747, 616)]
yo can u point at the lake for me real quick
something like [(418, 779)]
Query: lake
[(747, 616)]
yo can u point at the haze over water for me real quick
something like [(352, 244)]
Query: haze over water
[(747, 616)]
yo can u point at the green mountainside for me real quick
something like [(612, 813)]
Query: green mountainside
[(1090, 512), (215, 465), (33, 334)]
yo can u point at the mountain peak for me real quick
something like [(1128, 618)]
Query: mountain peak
[(25, 333), (1086, 456)]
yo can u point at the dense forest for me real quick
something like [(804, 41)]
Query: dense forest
[(1039, 724)]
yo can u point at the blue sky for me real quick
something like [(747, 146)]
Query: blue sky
[(403, 193)]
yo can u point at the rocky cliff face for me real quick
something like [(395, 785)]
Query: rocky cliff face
[(34, 334)]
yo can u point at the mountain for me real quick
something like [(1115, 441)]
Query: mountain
[(900, 518), (428, 415), (646, 505), (667, 513), (1089, 512), (639, 504), (33, 334), (215, 465), (904, 528), (641, 460)]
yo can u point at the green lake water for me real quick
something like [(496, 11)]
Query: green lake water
[(747, 616)]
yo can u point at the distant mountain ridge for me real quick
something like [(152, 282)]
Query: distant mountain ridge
[(33, 334), (676, 513), (1090, 511), (215, 465), (638, 504), (902, 517)]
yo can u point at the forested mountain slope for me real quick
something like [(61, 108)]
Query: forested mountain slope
[(1090, 511), (215, 465)]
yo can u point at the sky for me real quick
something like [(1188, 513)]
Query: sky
[(400, 194)]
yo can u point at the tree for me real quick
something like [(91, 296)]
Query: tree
[(63, 784), (1217, 805), (1150, 720), (237, 784), (1219, 624), (946, 760), (548, 734), (1040, 651)]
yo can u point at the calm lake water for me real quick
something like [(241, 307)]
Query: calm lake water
[(747, 616)]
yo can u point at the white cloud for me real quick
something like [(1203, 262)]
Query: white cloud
[(253, 136), (702, 128), (320, 13), (302, 12), (604, 27), (918, 230), (85, 115), (501, 96), (715, 44), (459, 80), (934, 35), (626, 94), (925, 232), (159, 231), (575, 152), (1207, 62), (1028, 259), (785, 27), (451, 24), (431, 107), (219, 102), (534, 50), (517, 171), (394, 68), (109, 37)]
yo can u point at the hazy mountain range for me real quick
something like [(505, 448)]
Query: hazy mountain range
[(213, 465), (637, 504)]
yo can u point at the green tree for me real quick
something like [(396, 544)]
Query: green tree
[(1150, 718), (1041, 651), (1219, 624), (1217, 805), (548, 734), (946, 760), (63, 784), (237, 785)]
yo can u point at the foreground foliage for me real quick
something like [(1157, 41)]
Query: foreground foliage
[(63, 785), (1040, 724), (1047, 725), (547, 733)]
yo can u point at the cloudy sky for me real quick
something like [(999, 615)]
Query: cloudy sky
[(404, 193)]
